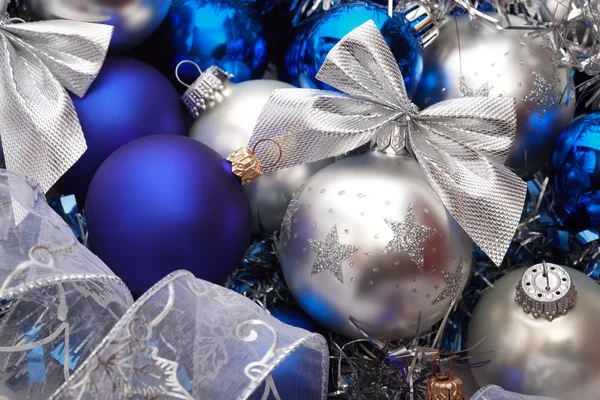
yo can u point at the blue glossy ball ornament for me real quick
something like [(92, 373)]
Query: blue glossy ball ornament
[(127, 101), (163, 203), (317, 36), (576, 169), (225, 33)]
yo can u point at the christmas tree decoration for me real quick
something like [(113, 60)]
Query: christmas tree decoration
[(165, 202), (39, 62), (576, 174), (369, 241), (445, 387), (225, 33), (538, 328), (134, 20), (129, 100), (317, 36), (488, 62), (226, 114)]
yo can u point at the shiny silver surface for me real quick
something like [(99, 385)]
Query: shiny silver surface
[(493, 63), (227, 125), (134, 20), (383, 290), (559, 358)]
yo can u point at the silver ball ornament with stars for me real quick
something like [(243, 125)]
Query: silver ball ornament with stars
[(469, 58), (368, 240)]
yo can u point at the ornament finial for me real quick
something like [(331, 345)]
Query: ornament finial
[(247, 166), (447, 387), (546, 290), (202, 94)]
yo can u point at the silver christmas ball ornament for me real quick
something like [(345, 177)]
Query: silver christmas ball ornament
[(134, 20), (368, 243), (225, 117), (539, 327), (488, 62)]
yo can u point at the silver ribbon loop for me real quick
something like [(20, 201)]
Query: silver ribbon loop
[(461, 144), (39, 62)]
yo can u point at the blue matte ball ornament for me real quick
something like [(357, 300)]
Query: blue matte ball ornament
[(226, 33), (163, 203), (127, 101), (317, 36), (576, 169)]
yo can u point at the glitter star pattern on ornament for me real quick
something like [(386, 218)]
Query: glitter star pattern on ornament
[(293, 207), (542, 94), (330, 254), (453, 282), (409, 237)]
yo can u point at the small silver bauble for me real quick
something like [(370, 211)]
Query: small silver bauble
[(226, 125), (502, 63), (546, 342), (134, 20), (368, 240)]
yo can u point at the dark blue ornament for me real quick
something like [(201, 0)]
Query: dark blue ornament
[(163, 203), (576, 168), (317, 36), (226, 33), (128, 100)]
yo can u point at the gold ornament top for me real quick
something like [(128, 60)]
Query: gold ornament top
[(445, 388), (245, 164)]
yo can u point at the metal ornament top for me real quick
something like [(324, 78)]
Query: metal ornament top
[(202, 94), (460, 144), (546, 291)]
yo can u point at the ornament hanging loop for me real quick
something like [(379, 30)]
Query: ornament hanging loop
[(246, 165), (451, 357), (446, 387), (179, 66)]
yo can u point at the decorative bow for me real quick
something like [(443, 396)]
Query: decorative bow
[(460, 144), (39, 128)]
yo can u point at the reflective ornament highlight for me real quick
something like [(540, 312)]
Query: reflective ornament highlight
[(502, 63), (534, 356), (368, 239), (163, 203), (575, 166), (225, 33), (227, 126), (317, 36), (128, 100), (134, 20)]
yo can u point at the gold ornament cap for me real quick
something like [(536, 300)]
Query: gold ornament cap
[(247, 166), (447, 387)]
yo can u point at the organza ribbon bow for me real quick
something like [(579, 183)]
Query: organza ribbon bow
[(39, 128), (460, 144)]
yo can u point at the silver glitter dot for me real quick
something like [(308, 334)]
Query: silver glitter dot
[(376, 236), (353, 279), (346, 231), (309, 189), (304, 249), (362, 214), (291, 211), (360, 195), (414, 279), (492, 65), (434, 250), (397, 262), (366, 253), (426, 211), (371, 282), (436, 287), (476, 73), (443, 90), (341, 192), (387, 203), (376, 269), (521, 62), (522, 44), (506, 54), (295, 236), (314, 225), (323, 191), (427, 100), (331, 211), (351, 265), (433, 270), (295, 219), (519, 84), (309, 204), (414, 290), (396, 286), (427, 296)]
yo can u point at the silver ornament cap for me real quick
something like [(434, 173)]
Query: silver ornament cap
[(203, 93), (546, 290), (422, 22)]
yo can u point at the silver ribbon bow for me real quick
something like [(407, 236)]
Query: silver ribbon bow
[(460, 144), (39, 62)]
